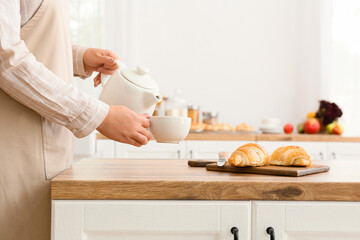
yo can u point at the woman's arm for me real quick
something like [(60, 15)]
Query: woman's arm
[(32, 84), (89, 60), (78, 62)]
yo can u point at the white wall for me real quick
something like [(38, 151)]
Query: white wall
[(245, 59)]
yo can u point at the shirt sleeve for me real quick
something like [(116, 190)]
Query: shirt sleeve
[(78, 61), (32, 84)]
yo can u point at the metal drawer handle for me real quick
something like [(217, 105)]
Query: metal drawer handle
[(321, 156), (271, 232), (235, 231), (334, 156), (178, 153)]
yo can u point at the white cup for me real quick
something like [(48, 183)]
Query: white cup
[(270, 123), (168, 129)]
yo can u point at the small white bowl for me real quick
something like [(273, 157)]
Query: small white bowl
[(270, 123), (168, 129)]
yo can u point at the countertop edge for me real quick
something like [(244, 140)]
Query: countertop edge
[(198, 190)]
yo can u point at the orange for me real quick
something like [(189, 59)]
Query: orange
[(311, 115)]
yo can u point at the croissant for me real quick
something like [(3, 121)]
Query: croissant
[(225, 127), (250, 154), (290, 156), (209, 127), (244, 127)]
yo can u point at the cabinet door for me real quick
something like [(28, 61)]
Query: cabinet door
[(150, 220), (306, 220), (105, 148), (210, 149), (316, 150), (150, 150), (343, 151)]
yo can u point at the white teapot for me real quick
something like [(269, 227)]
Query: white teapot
[(134, 89)]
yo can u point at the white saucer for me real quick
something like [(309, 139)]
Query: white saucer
[(270, 130)]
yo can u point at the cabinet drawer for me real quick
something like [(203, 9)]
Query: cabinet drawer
[(151, 150), (105, 148), (344, 151), (307, 220), (153, 220)]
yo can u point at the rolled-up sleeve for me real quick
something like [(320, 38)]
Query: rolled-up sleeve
[(78, 61), (32, 84)]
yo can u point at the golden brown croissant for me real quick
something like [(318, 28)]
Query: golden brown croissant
[(290, 156), (209, 127), (250, 154), (197, 126), (244, 127), (225, 127)]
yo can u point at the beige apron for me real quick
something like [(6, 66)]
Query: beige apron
[(33, 149)]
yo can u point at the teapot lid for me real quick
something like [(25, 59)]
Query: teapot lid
[(139, 77)]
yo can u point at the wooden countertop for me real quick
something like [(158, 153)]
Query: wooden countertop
[(173, 179), (212, 136)]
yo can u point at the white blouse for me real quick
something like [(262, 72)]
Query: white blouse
[(79, 112)]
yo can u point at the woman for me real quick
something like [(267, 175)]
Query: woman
[(40, 110)]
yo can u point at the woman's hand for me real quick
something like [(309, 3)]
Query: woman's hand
[(123, 125), (99, 60)]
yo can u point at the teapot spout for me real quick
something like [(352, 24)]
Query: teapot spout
[(152, 98), (158, 98)]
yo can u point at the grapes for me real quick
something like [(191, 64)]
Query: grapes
[(328, 112)]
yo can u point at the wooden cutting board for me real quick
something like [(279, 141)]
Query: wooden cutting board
[(271, 170), (268, 170)]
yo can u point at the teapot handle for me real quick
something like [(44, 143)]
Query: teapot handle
[(120, 64), (105, 78)]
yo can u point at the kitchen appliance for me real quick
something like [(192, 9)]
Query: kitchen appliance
[(134, 89)]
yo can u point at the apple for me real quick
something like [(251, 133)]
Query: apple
[(288, 128), (312, 126), (330, 127), (300, 128), (338, 129)]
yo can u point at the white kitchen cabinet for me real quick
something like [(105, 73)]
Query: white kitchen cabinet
[(316, 150), (343, 151), (210, 149), (150, 220), (105, 148), (151, 150), (306, 220), (203, 220)]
